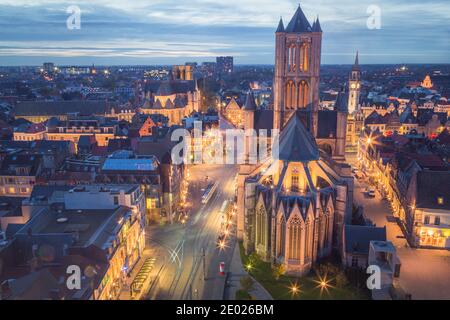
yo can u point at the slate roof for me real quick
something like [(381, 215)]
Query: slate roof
[(298, 23), (46, 191), (11, 206), (170, 87), (55, 108), (37, 146), (250, 103), (430, 186), (425, 115), (374, 118), (280, 26), (316, 26), (263, 119), (20, 160), (341, 103), (86, 141), (34, 286), (357, 238), (327, 124), (296, 142), (165, 89)]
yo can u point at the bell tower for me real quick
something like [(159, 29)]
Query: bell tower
[(354, 86), (297, 70)]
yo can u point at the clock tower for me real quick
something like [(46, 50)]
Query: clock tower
[(354, 86)]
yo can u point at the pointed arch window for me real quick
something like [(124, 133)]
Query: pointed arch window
[(261, 225), (326, 229), (281, 236), (308, 239), (290, 96), (295, 180), (304, 57), (303, 91), (294, 238)]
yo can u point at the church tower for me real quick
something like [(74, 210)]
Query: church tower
[(297, 70), (354, 86)]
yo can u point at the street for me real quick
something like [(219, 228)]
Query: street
[(425, 273), (180, 266)]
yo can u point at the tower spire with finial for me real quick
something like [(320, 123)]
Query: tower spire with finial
[(356, 64), (280, 25)]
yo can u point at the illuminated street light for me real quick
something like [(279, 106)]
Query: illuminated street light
[(249, 266), (323, 283), (295, 289)]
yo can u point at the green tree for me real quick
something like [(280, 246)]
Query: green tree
[(341, 280), (253, 258), (278, 270)]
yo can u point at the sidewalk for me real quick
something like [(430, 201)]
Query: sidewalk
[(237, 272), (125, 294)]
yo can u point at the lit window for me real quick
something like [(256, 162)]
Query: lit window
[(440, 200), (295, 183)]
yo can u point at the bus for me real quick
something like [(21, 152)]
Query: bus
[(209, 191), (225, 210)]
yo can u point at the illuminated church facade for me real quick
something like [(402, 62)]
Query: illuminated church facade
[(293, 206)]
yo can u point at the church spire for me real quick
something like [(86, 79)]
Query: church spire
[(280, 26), (356, 64), (250, 104), (316, 26), (299, 22)]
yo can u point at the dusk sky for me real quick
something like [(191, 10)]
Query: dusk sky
[(176, 31)]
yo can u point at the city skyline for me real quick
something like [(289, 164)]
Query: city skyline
[(129, 172), (166, 32)]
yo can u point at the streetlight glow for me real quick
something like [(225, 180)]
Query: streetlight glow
[(323, 283), (295, 289)]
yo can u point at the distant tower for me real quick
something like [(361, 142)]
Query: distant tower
[(182, 72), (426, 83), (354, 85), (297, 69)]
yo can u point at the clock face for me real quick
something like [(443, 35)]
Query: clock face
[(353, 86), (358, 85)]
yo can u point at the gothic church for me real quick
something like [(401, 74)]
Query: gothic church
[(292, 209)]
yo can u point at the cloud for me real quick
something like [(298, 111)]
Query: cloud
[(412, 30)]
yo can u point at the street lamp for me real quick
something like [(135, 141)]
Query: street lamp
[(294, 288), (323, 283)]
